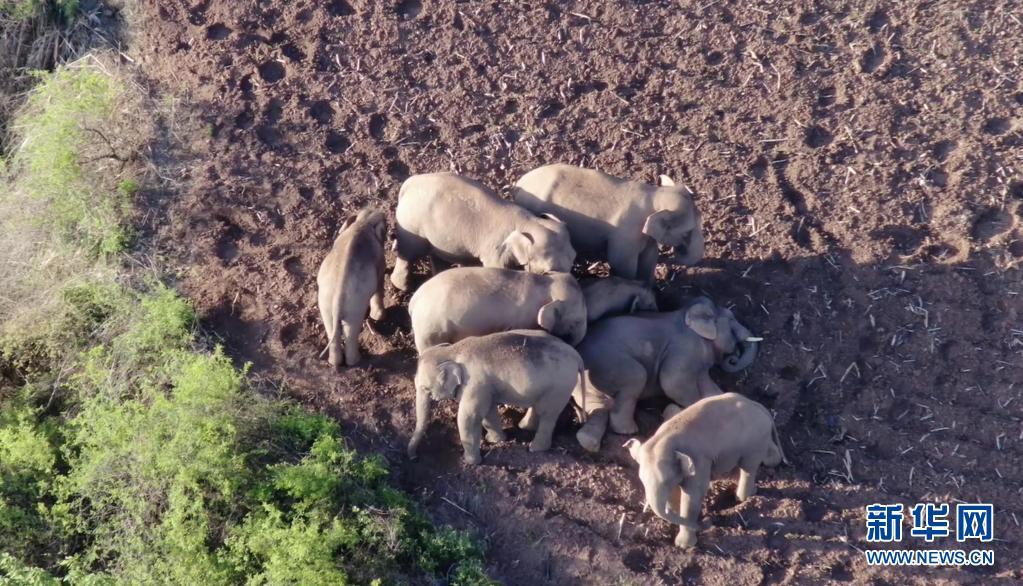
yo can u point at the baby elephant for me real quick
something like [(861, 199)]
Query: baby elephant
[(523, 368), (350, 283), (473, 301), (624, 220), (643, 355), (491, 230), (615, 296), (708, 439)]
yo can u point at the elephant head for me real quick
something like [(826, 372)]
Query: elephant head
[(660, 477), (676, 222), (541, 246), (564, 315), (439, 377), (733, 343), (368, 217)]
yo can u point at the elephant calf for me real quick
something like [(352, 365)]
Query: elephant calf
[(350, 283), (624, 220), (614, 296), (631, 357), (460, 220), (473, 301), (710, 438), (523, 368)]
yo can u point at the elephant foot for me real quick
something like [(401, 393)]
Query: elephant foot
[(472, 459), (624, 426), (539, 445), (670, 411), (495, 436), (376, 313), (686, 537), (588, 441)]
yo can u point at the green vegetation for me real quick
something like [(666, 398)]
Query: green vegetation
[(64, 113), (129, 453), (22, 10)]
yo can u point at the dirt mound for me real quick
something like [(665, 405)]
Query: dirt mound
[(861, 182)]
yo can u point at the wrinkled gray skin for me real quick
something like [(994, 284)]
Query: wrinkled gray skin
[(523, 368), (495, 232), (709, 439), (632, 357), (616, 296), (624, 220), (474, 301), (351, 283)]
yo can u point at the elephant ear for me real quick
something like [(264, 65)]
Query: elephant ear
[(633, 445), (686, 464), (380, 229), (702, 319), (547, 317), (517, 246), (657, 224), (452, 376), (348, 222)]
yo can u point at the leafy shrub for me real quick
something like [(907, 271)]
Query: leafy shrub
[(68, 109), (168, 468), (128, 454)]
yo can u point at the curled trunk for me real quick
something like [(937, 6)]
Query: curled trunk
[(745, 351), (744, 355)]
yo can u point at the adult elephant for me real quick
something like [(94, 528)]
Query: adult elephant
[(619, 219)]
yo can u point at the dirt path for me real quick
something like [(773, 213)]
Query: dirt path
[(860, 174)]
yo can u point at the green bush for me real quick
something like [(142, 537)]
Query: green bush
[(70, 108), (168, 468), (128, 455), (22, 10)]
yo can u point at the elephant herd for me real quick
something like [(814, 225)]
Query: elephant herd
[(520, 330)]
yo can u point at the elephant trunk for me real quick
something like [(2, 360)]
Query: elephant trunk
[(694, 251), (422, 420), (745, 351), (657, 498)]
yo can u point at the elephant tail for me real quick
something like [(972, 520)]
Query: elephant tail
[(777, 442), (582, 385), (337, 336)]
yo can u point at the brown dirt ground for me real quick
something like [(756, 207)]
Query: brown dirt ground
[(860, 171)]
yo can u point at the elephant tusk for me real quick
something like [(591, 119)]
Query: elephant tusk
[(753, 339), (646, 506)]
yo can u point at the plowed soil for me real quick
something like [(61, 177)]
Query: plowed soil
[(860, 171)]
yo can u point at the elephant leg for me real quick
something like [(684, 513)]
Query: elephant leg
[(376, 302), (590, 434), (529, 421), (670, 410), (492, 423), (690, 504), (679, 384), (623, 256), (469, 431), (747, 478), (351, 330), (646, 270), (408, 247), (630, 380), (544, 432)]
